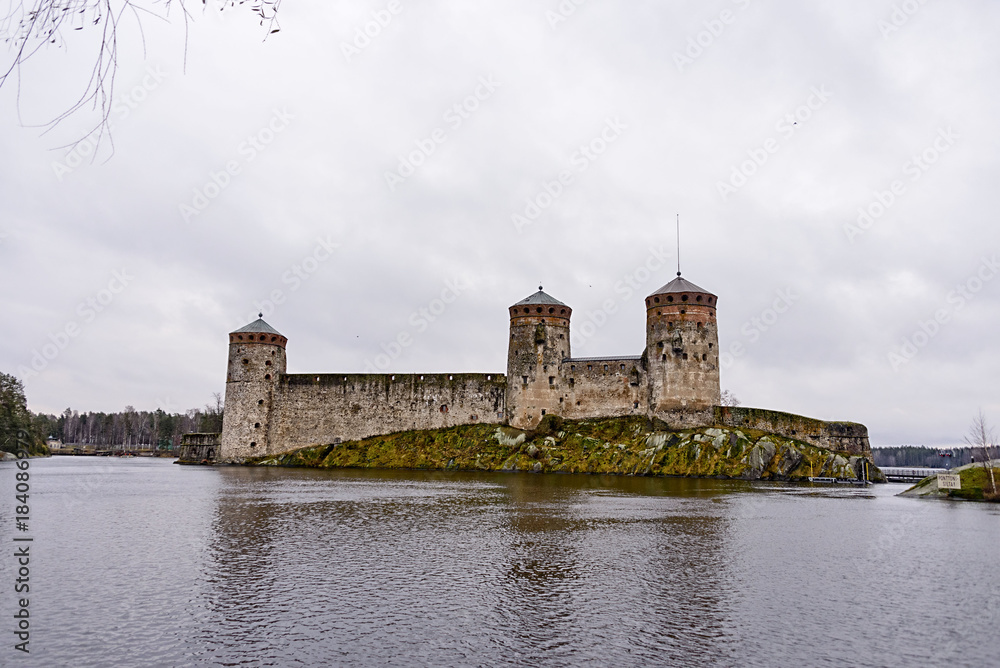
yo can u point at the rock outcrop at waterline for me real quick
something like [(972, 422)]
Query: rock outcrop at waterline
[(625, 446)]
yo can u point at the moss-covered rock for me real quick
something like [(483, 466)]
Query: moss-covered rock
[(627, 446), (975, 485)]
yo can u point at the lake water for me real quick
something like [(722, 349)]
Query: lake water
[(143, 562)]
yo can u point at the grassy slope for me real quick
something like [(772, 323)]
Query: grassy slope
[(630, 446)]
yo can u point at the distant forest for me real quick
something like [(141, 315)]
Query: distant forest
[(130, 429), (914, 455)]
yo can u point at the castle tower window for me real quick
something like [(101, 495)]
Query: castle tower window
[(635, 404), (538, 310), (670, 299), (670, 324), (683, 311), (260, 402), (273, 339), (267, 362), (543, 411), (572, 367), (267, 376), (656, 299), (246, 361), (710, 345), (659, 313), (684, 355), (552, 310), (590, 367), (664, 358), (451, 378), (390, 378), (562, 311), (256, 425), (444, 408), (489, 377), (699, 325), (684, 298), (560, 399), (572, 382), (622, 367), (659, 344), (704, 357), (239, 336), (525, 379), (578, 403), (605, 368), (253, 444), (552, 380)]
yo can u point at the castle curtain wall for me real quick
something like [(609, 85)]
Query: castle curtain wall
[(312, 409), (590, 388)]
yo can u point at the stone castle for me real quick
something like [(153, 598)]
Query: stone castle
[(675, 379)]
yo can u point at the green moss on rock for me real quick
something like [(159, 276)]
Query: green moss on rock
[(626, 446)]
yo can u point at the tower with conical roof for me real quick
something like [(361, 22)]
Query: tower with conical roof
[(682, 348), (539, 342), (256, 363)]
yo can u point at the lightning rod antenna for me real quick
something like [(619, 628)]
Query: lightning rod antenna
[(678, 244)]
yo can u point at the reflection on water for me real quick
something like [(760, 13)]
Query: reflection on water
[(141, 562)]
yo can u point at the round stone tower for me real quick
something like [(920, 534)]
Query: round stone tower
[(682, 347), (539, 342), (256, 362)]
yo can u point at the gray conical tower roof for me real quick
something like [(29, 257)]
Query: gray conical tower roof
[(540, 297), (680, 285), (258, 326)]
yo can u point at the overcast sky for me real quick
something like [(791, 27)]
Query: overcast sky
[(469, 151)]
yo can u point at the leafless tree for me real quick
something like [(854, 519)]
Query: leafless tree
[(981, 438), (728, 399), (31, 26)]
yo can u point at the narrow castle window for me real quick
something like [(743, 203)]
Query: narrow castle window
[(246, 361), (590, 367), (572, 367), (451, 378), (623, 367), (543, 411), (390, 378), (635, 404), (685, 355), (256, 425), (659, 344), (710, 345), (525, 379), (659, 313), (444, 408), (260, 402), (699, 325), (253, 444), (664, 358), (489, 377), (670, 324), (704, 357), (267, 376), (560, 399), (605, 368), (571, 382), (267, 362), (552, 380)]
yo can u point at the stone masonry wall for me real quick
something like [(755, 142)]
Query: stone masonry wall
[(311, 409), (591, 388)]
